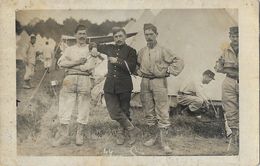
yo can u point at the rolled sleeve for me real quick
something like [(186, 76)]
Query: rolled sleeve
[(176, 63)]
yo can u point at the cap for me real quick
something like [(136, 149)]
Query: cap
[(118, 29), (32, 36), (150, 26), (233, 30), (210, 74)]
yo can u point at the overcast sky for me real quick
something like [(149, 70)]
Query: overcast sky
[(95, 16)]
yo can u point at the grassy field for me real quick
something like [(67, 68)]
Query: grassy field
[(37, 126)]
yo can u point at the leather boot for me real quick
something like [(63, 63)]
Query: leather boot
[(235, 136), (27, 84), (133, 133), (164, 141), (63, 139), (131, 130), (80, 135), (120, 136), (153, 135)]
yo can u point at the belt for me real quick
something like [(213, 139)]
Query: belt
[(153, 77), (183, 93), (233, 77), (80, 74)]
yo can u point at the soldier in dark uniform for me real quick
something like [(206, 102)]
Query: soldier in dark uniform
[(118, 86)]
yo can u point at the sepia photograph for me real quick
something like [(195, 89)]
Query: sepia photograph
[(132, 82)]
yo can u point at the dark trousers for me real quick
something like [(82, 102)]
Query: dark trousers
[(118, 107)]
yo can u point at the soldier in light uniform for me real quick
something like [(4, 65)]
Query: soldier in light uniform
[(48, 55), (78, 63), (30, 61), (191, 92), (228, 65), (155, 63)]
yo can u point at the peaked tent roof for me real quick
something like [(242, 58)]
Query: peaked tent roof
[(129, 25), (196, 35), (137, 26)]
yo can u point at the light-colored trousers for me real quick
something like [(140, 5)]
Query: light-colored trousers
[(193, 102), (29, 71), (47, 62), (154, 98), (75, 92), (230, 101)]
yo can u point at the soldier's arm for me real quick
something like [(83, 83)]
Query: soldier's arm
[(176, 64), (26, 50), (138, 64), (225, 66), (66, 62), (199, 90), (129, 63), (90, 64), (219, 66)]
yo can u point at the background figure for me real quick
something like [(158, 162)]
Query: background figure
[(191, 92), (30, 61), (228, 64), (48, 55), (155, 63)]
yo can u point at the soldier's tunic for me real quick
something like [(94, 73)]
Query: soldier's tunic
[(118, 84), (76, 85), (154, 66), (30, 60), (191, 94), (228, 64)]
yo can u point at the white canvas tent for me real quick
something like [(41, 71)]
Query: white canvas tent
[(132, 26), (21, 41), (196, 35)]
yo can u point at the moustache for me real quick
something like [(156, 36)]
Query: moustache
[(82, 38), (119, 41)]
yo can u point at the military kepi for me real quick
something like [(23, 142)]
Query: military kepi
[(233, 30), (210, 74), (150, 26)]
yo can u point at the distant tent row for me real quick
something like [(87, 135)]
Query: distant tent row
[(23, 39)]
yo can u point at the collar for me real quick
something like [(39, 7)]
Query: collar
[(230, 48), (120, 46), (155, 45), (81, 46)]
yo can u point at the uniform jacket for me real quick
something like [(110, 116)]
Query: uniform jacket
[(158, 62), (228, 63), (118, 77)]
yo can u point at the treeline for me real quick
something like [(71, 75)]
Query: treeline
[(51, 29)]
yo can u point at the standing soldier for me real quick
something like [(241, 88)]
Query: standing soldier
[(118, 85), (47, 55), (228, 64), (78, 63), (155, 63), (30, 60)]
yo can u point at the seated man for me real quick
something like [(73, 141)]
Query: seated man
[(191, 92)]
